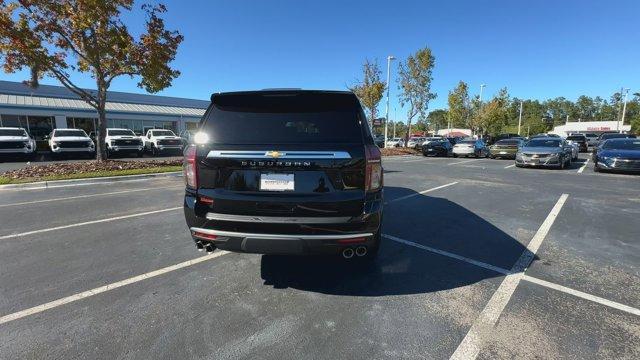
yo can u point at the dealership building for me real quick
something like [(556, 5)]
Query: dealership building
[(47, 107), (596, 127)]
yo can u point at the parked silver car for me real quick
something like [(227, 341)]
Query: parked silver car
[(545, 152)]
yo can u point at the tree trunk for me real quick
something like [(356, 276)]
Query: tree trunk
[(101, 132)]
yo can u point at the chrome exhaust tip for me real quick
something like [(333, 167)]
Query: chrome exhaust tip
[(347, 253), (209, 248), (361, 251), (199, 245)]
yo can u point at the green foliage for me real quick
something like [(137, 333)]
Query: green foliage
[(459, 105), (415, 83), (58, 38), (494, 115), (438, 119), (371, 89)]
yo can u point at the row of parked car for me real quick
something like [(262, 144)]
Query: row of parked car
[(611, 151), (18, 142)]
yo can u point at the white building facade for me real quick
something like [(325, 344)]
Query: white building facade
[(48, 107)]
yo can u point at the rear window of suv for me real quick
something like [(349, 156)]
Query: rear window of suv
[(280, 118)]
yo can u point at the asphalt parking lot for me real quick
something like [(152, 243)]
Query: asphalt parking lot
[(479, 260)]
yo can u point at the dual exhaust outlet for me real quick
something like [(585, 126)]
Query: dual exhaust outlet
[(347, 253), (360, 251), (204, 246)]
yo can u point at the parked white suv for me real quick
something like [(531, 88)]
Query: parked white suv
[(71, 141), (16, 141), (159, 140), (120, 141)]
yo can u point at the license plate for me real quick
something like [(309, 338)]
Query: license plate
[(276, 182), (429, 149), (503, 152)]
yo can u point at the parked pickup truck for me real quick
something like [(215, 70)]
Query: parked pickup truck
[(120, 141), (16, 141), (159, 141), (64, 141)]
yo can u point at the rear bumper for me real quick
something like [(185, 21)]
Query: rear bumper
[(434, 151), (464, 151), (279, 235)]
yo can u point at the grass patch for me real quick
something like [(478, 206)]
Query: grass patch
[(87, 175)]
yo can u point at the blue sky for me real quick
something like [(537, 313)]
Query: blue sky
[(537, 49)]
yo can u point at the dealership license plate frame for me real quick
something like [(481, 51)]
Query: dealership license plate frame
[(277, 182)]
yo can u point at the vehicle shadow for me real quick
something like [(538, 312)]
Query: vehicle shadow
[(402, 269)]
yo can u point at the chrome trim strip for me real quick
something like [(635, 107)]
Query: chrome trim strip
[(279, 236), (278, 219), (244, 154)]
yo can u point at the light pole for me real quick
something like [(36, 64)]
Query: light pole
[(395, 120), (481, 88), (520, 117), (386, 120), (624, 107)]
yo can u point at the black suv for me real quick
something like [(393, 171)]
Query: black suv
[(581, 140), (285, 172)]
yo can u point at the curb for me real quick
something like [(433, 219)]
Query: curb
[(89, 181)]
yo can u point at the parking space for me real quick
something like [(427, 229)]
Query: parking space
[(479, 259)]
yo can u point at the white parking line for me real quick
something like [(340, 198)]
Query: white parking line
[(105, 288), (462, 162), (86, 196), (472, 342), (550, 285), (87, 223), (421, 192), (583, 166), (509, 166), (582, 295)]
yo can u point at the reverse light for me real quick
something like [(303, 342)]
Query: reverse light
[(189, 169), (373, 175), (200, 138)]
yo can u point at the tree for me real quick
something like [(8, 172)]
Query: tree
[(559, 108), (459, 105), (371, 89), (438, 119), (58, 38), (494, 116), (415, 83), (586, 108)]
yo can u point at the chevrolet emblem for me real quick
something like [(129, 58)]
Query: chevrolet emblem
[(274, 154)]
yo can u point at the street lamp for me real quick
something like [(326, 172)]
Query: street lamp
[(386, 120), (481, 88), (520, 117), (624, 107)]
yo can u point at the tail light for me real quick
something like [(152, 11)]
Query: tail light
[(373, 175), (189, 169)]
